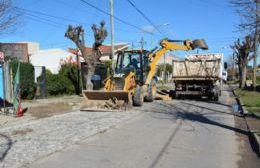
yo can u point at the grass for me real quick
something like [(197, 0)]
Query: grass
[(254, 110), (233, 82), (249, 98), (258, 80)]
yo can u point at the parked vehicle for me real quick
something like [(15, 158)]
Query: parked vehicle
[(199, 74), (224, 76)]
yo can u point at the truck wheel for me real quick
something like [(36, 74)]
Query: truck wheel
[(216, 97), (173, 94), (151, 92), (138, 97)]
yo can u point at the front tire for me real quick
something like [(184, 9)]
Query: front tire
[(138, 97), (151, 92)]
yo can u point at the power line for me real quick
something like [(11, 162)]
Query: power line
[(115, 17), (139, 11), (31, 17), (30, 12), (44, 14)]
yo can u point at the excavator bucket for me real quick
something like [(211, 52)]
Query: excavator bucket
[(106, 100), (200, 43)]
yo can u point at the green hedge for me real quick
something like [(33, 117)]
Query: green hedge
[(27, 84), (58, 84), (70, 71), (258, 80)]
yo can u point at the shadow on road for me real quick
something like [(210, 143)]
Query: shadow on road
[(5, 146), (186, 113), (165, 146), (210, 109), (202, 119)]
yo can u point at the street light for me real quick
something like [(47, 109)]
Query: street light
[(153, 30), (164, 57)]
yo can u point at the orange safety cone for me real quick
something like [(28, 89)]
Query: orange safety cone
[(20, 111)]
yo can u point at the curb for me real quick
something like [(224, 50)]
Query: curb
[(257, 142), (252, 133), (242, 109)]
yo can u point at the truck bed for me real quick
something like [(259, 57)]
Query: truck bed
[(196, 70)]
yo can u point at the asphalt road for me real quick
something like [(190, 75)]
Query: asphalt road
[(178, 133)]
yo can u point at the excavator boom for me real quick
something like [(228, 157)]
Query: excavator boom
[(171, 45)]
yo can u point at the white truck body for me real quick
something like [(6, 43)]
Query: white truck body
[(199, 74)]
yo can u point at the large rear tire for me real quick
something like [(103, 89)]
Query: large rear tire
[(138, 97), (151, 92)]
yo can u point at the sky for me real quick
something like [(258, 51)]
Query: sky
[(45, 21)]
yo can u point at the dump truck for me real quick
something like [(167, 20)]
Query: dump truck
[(198, 74), (134, 80)]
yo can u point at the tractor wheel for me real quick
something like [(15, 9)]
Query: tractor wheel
[(138, 97), (151, 92)]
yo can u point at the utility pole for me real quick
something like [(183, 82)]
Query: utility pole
[(256, 43), (142, 43), (78, 73), (112, 35)]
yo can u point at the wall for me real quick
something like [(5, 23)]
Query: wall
[(15, 50)]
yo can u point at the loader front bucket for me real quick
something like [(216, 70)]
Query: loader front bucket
[(106, 100)]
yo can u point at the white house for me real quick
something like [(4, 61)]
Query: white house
[(51, 58)]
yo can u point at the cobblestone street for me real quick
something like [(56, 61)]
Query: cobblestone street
[(31, 140)]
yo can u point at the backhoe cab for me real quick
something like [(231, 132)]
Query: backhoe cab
[(132, 61)]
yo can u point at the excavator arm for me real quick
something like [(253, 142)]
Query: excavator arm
[(171, 45)]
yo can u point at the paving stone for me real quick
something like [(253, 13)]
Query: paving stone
[(23, 143)]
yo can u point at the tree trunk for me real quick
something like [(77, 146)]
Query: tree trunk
[(91, 72), (91, 69), (240, 75), (255, 61), (243, 80)]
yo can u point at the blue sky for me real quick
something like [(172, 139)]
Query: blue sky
[(215, 21)]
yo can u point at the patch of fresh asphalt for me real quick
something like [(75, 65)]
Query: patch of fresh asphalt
[(179, 133)]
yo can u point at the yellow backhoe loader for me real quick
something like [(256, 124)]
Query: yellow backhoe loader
[(134, 80)]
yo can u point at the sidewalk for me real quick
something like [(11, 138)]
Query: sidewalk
[(252, 121), (41, 108)]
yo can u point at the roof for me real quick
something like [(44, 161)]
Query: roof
[(105, 49)]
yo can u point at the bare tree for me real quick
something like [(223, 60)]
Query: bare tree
[(8, 16), (76, 34), (249, 10), (242, 52)]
